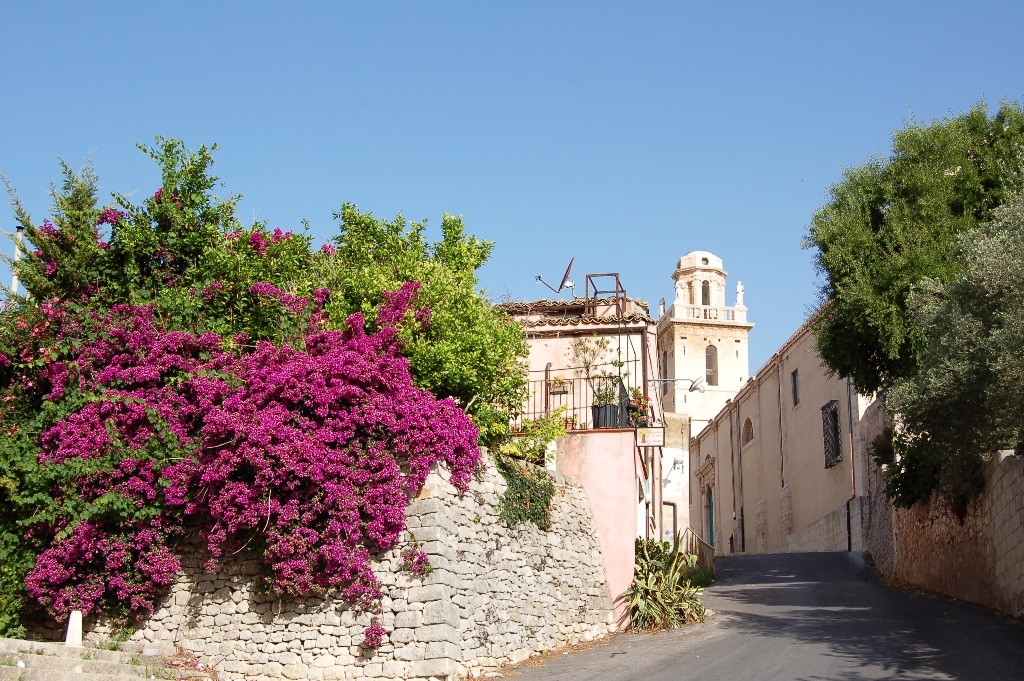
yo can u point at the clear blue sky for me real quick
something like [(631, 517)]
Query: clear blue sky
[(622, 134)]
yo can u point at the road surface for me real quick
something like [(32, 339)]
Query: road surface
[(809, 617)]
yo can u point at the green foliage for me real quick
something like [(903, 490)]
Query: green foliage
[(181, 249), (528, 495), (662, 595), (470, 351), (531, 444), (588, 355), (892, 223), (702, 577), (967, 398)]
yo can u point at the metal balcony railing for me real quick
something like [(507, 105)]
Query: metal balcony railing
[(576, 396)]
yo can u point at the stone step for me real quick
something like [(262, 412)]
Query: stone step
[(13, 645), (38, 661), (133, 665), (27, 674)]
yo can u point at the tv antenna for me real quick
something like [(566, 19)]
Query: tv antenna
[(565, 280)]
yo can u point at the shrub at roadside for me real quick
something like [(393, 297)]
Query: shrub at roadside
[(661, 595)]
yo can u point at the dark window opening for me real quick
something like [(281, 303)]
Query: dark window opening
[(748, 431), (711, 361), (830, 433)]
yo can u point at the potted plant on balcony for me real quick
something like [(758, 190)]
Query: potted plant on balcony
[(605, 409), (639, 408), (557, 386)]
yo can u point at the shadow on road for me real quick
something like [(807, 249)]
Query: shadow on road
[(830, 603)]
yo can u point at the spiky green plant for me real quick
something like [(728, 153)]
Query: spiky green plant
[(661, 595)]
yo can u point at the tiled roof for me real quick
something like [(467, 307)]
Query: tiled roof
[(545, 306), (581, 320)]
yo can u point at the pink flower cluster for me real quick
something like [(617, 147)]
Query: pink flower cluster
[(109, 216), (374, 635), (279, 236), (79, 572), (416, 560), (316, 450), (258, 243)]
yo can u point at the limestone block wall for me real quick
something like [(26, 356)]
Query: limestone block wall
[(831, 532), (978, 558), (495, 596)]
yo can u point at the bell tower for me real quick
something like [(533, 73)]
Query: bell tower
[(702, 336)]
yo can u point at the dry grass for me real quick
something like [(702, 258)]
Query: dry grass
[(542, 659)]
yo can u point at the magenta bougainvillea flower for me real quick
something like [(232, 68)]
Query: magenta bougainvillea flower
[(109, 216), (316, 449), (374, 635)]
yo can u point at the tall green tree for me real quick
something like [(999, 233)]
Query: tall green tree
[(180, 249), (893, 222), (470, 351), (966, 400)]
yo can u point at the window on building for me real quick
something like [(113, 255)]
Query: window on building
[(705, 292), (830, 433), (711, 362), (748, 431), (795, 376), (664, 372)]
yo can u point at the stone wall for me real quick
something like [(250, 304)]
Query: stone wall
[(978, 558), (495, 596), (831, 532)]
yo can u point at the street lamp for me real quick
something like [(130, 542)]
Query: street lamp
[(696, 384)]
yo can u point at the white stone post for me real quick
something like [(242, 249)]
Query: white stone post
[(74, 637)]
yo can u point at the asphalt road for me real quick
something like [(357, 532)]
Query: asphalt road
[(809, 617)]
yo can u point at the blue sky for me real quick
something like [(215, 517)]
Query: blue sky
[(623, 135)]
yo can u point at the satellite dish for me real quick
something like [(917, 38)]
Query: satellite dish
[(698, 385), (565, 279)]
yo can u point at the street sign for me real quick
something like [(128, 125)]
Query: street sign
[(650, 437)]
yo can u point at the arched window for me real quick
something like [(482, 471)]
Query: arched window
[(711, 363), (748, 431), (705, 292)]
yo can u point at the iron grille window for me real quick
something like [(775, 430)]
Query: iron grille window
[(830, 433)]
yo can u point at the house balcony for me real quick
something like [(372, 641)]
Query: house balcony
[(575, 396)]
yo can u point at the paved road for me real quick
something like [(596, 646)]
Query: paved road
[(809, 617)]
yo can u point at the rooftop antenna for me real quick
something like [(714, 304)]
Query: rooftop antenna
[(565, 280)]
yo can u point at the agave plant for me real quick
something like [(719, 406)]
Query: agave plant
[(661, 595)]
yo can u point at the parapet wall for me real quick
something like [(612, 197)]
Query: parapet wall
[(495, 596)]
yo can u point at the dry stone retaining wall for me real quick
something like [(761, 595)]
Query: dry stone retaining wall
[(978, 558), (495, 596)]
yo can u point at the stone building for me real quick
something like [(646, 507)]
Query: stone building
[(701, 342), (622, 481), (784, 465)]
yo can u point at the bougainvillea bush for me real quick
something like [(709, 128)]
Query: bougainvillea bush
[(171, 374), (307, 454)]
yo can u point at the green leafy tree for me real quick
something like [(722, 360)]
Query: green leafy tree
[(966, 400), (470, 351), (181, 249), (893, 222)]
